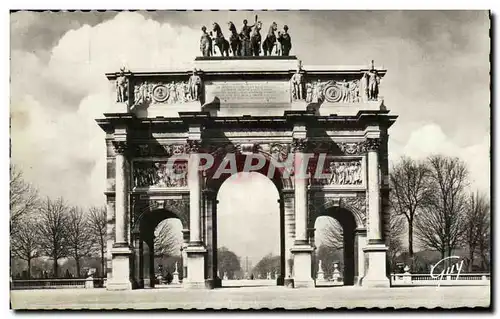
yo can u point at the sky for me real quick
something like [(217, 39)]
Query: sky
[(437, 83)]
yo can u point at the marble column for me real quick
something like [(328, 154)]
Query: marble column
[(311, 232), (210, 236), (138, 261), (185, 243), (360, 244), (147, 264), (121, 252), (376, 249), (289, 233), (195, 251), (302, 249)]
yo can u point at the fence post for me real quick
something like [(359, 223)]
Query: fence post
[(89, 282), (407, 275)]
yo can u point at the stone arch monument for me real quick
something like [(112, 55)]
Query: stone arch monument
[(323, 130)]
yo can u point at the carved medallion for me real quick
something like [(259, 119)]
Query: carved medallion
[(160, 93), (332, 94)]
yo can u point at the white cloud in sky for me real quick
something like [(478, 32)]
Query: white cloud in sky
[(429, 139), (59, 146)]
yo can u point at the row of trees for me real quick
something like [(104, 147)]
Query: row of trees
[(434, 197), (51, 228), (432, 201)]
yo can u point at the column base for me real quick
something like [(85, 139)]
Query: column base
[(196, 267), (302, 266), (147, 284), (197, 285), (119, 285), (376, 273), (120, 279), (217, 282)]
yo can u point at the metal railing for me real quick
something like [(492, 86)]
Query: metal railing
[(58, 283), (407, 279)]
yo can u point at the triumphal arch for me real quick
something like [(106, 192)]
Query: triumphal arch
[(319, 133)]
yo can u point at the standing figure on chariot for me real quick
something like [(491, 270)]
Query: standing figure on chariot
[(246, 30)]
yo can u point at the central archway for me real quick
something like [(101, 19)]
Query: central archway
[(216, 182), (249, 241)]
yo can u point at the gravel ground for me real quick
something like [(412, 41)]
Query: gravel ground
[(253, 298)]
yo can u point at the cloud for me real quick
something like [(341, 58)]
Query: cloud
[(429, 139), (54, 104)]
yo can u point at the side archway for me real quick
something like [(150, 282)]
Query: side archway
[(350, 213)]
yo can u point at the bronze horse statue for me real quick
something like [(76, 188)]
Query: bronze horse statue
[(219, 41), (234, 40), (270, 41)]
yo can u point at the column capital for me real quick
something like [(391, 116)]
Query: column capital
[(193, 146), (299, 144), (372, 144), (120, 147)]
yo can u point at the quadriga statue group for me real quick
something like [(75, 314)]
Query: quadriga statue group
[(248, 42)]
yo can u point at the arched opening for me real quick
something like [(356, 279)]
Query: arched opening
[(248, 229), (335, 247), (159, 260)]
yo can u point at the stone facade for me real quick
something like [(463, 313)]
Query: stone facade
[(244, 108)]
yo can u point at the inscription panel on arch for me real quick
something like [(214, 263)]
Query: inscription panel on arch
[(272, 92)]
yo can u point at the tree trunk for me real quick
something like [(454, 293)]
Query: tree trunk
[(77, 262), (29, 267), (410, 238), (55, 268), (471, 259), (102, 262)]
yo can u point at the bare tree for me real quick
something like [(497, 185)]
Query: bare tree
[(409, 188), (24, 242), (97, 227), (53, 230), (477, 225), (79, 236), (333, 234), (166, 243), (23, 198), (440, 227)]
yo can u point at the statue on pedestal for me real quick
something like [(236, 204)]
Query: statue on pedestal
[(285, 41), (336, 272), (194, 85), (121, 87), (297, 84), (321, 273), (205, 42), (371, 80), (175, 279)]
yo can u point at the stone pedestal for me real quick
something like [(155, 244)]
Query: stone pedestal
[(336, 273), (320, 277), (302, 266), (196, 266), (376, 272), (175, 278), (120, 279), (407, 276)]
